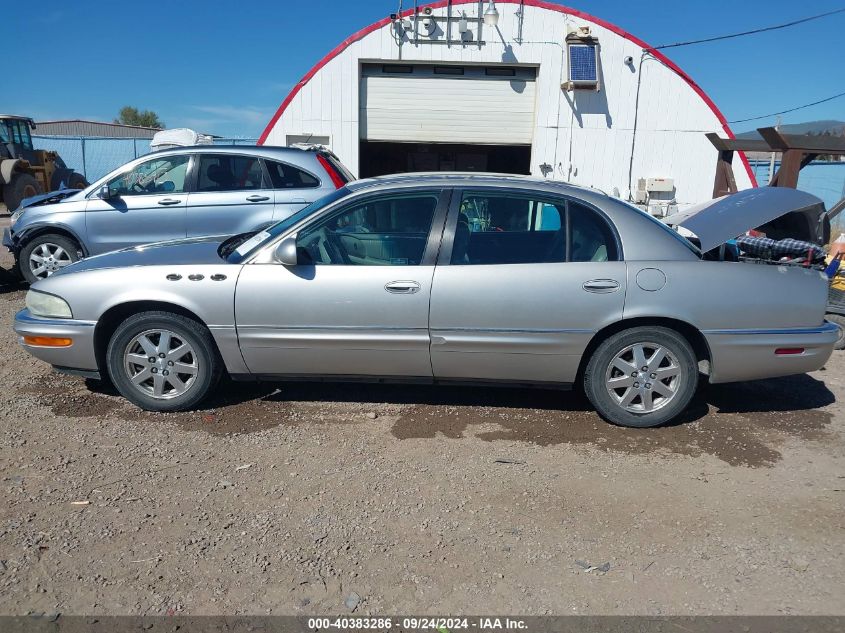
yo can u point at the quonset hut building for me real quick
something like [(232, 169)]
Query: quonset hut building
[(515, 86)]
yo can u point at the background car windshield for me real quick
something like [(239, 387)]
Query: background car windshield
[(162, 175), (290, 221)]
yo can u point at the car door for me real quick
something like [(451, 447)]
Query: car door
[(357, 302), (523, 282), (293, 188), (231, 195), (146, 204)]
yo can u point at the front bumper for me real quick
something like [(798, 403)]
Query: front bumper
[(79, 356), (739, 355), (9, 242)]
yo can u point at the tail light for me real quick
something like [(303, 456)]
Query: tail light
[(337, 178)]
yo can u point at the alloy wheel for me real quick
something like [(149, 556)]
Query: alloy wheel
[(48, 258), (643, 377), (160, 363)]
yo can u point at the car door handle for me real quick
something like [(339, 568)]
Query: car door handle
[(402, 287), (255, 198), (601, 285), (168, 201)]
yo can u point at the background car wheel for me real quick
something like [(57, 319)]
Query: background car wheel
[(840, 321), (46, 254), (77, 181), (162, 361), (642, 377), (22, 185)]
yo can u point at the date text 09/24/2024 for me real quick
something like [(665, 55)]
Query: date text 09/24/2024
[(442, 624)]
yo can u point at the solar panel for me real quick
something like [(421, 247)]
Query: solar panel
[(582, 63)]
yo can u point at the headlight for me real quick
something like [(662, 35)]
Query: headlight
[(47, 305), (16, 216)]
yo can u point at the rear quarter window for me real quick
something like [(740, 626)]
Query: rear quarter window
[(284, 176)]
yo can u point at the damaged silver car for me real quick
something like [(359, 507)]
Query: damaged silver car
[(443, 278)]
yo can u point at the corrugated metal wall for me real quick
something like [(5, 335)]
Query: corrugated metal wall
[(92, 128)]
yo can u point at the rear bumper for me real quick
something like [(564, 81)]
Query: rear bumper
[(739, 355), (79, 355)]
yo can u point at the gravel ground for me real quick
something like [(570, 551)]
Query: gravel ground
[(300, 499)]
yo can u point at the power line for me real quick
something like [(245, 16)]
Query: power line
[(766, 116), (752, 32)]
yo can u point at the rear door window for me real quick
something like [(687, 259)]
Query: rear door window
[(505, 228), (226, 172), (284, 176)]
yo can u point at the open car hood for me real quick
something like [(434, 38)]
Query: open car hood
[(779, 212)]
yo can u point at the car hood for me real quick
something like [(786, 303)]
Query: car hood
[(53, 197), (717, 221), (196, 251)]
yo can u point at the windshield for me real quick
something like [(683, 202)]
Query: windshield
[(259, 239)]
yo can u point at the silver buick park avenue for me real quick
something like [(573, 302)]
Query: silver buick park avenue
[(445, 278)]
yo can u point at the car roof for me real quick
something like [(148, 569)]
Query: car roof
[(473, 179), (253, 150)]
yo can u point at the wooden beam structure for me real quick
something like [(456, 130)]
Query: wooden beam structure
[(798, 151)]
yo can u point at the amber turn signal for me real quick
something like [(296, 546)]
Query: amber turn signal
[(47, 341)]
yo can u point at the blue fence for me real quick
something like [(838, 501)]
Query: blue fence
[(822, 179), (95, 157)]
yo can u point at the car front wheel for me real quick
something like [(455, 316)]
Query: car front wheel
[(642, 377), (46, 254), (162, 361)]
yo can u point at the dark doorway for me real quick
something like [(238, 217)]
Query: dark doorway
[(381, 158)]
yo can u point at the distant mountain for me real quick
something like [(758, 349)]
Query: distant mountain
[(833, 128)]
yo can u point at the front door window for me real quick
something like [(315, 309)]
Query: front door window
[(158, 176), (386, 231)]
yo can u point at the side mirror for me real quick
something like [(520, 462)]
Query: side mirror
[(105, 193), (285, 252)]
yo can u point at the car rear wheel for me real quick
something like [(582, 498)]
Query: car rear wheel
[(46, 254), (162, 361), (642, 377)]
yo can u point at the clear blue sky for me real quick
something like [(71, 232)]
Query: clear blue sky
[(224, 67)]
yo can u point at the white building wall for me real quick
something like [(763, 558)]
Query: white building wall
[(584, 137)]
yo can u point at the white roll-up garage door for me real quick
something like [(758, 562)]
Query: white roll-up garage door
[(447, 104)]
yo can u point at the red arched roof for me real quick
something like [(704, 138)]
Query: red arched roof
[(543, 4)]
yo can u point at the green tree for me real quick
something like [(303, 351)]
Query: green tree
[(132, 116)]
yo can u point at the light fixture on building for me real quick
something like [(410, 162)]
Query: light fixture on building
[(491, 14), (463, 23)]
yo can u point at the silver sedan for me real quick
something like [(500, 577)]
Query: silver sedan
[(442, 278)]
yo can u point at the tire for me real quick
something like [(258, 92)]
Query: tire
[(678, 365), (45, 254), (77, 181), (22, 185), (840, 321), (139, 338)]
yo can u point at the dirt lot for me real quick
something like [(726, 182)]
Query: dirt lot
[(322, 498)]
